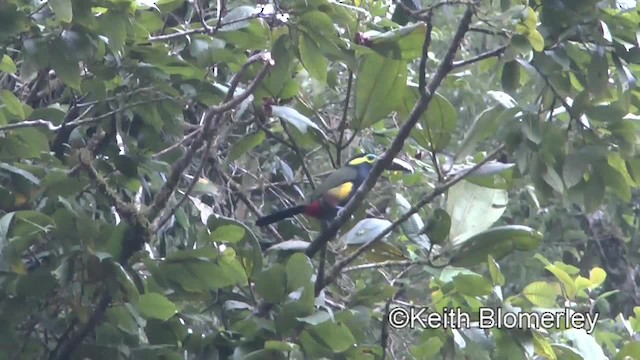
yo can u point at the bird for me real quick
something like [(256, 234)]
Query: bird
[(335, 191)]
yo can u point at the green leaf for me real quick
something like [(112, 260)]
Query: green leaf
[(427, 349), (299, 271), (271, 284), (630, 350), (228, 234), (593, 193), (248, 251), (554, 180), (12, 103), (379, 88), (536, 40), (7, 65), (315, 318), (335, 335), (573, 169), (486, 124), (586, 344), (62, 9), (126, 282), (494, 269), (568, 283), (543, 347), (156, 306), (290, 245), (472, 285), (473, 209), (364, 231), (24, 173), (438, 226), (312, 58), (497, 242), (617, 163), (318, 22), (63, 64), (238, 18), (541, 293), (437, 124), (372, 294), (597, 276), (245, 145), (402, 43), (413, 226), (292, 116), (598, 73), (114, 26), (510, 76)]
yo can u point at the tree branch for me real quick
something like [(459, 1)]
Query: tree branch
[(212, 115), (480, 57), (423, 102), (343, 122), (204, 30), (78, 122), (67, 348)]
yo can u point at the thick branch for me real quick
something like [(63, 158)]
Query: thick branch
[(443, 69), (181, 164)]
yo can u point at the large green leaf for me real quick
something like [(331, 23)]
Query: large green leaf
[(335, 335), (414, 225), (472, 285), (598, 75), (294, 117), (156, 306), (380, 86), (541, 293), (497, 242), (271, 284), (299, 271), (12, 103), (437, 123), (62, 9), (473, 209), (487, 122), (312, 58), (404, 43)]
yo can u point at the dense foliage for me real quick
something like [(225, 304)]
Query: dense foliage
[(140, 140)]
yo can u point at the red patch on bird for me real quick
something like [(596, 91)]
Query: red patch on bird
[(314, 209)]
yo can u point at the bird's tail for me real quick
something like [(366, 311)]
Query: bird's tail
[(280, 215)]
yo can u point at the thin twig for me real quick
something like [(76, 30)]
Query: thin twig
[(78, 122), (387, 263), (182, 141), (485, 55), (207, 30), (343, 122), (422, 79)]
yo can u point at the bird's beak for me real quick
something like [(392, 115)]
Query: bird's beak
[(400, 165)]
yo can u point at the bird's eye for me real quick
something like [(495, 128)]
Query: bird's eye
[(371, 157)]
